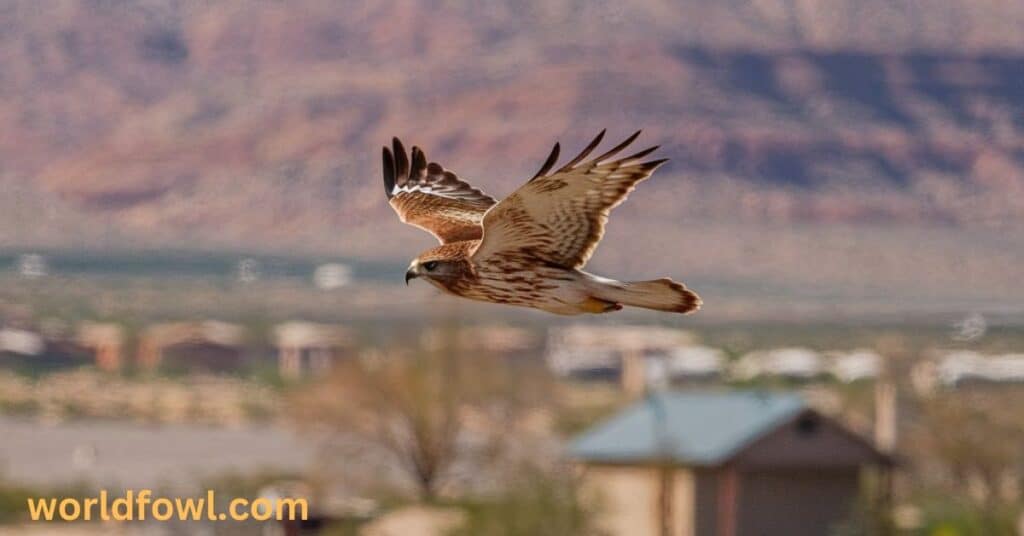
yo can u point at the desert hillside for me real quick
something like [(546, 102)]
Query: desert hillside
[(846, 131)]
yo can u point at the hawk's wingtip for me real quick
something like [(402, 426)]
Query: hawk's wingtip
[(401, 161), (549, 163), (419, 161), (389, 172)]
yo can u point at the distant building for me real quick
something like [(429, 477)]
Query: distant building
[(792, 363), (686, 365), (248, 270), (723, 464), (695, 362), (32, 266), (331, 276), (309, 348), (855, 365), (106, 341), (209, 344), (585, 363), (623, 352), (40, 348), (21, 341), (961, 367)]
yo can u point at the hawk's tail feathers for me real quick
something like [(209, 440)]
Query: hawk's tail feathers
[(659, 294)]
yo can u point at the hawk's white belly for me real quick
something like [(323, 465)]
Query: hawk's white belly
[(552, 289)]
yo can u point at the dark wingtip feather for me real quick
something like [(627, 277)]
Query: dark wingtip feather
[(401, 161), (654, 164), (389, 173), (615, 150), (586, 151), (639, 155), (552, 158), (419, 161)]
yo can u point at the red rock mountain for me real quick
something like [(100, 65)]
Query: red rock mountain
[(847, 127)]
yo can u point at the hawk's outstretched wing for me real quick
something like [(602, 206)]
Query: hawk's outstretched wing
[(560, 218), (431, 197)]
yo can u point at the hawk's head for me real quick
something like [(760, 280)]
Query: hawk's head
[(442, 266)]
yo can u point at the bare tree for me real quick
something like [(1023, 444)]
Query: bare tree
[(428, 409)]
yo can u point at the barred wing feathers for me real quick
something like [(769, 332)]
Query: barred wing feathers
[(559, 218), (432, 198)]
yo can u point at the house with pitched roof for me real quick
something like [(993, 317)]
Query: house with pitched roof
[(723, 464)]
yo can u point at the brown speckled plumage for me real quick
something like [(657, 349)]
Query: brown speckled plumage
[(528, 249)]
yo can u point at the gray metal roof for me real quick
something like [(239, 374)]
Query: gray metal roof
[(696, 428)]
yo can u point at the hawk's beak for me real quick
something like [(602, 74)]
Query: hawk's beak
[(410, 274)]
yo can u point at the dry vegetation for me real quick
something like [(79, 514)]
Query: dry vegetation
[(431, 412)]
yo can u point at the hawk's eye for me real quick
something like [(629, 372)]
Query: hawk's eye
[(430, 266)]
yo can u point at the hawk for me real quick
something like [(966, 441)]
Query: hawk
[(530, 248)]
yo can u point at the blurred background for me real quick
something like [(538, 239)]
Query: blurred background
[(201, 280)]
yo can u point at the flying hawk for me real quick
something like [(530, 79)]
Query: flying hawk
[(530, 248)]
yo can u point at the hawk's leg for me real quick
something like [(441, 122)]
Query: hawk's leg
[(594, 305)]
